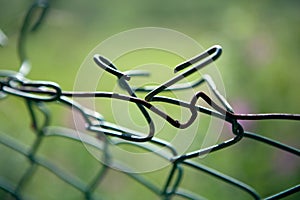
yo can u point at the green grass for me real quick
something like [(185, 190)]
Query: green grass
[(259, 68)]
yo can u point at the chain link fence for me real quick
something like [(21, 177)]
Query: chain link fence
[(102, 136)]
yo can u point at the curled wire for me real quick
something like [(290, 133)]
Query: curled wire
[(18, 87), (109, 67), (37, 93), (211, 54)]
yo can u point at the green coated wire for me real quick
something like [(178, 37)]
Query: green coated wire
[(38, 93)]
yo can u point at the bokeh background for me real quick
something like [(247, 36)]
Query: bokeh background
[(259, 67)]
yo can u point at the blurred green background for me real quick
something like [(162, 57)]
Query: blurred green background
[(259, 67)]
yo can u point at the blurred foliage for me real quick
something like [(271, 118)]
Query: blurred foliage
[(259, 66)]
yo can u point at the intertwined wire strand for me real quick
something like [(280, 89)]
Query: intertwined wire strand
[(37, 94)]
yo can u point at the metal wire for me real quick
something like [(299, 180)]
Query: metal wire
[(37, 94)]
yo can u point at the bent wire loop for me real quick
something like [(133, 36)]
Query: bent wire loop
[(20, 87), (212, 53), (38, 93), (109, 67)]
